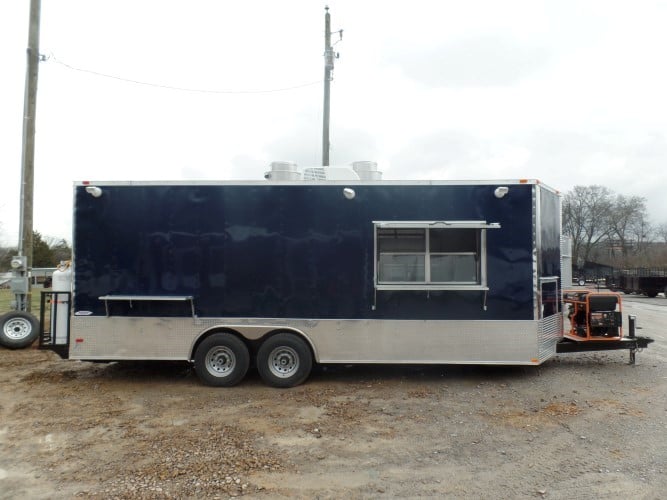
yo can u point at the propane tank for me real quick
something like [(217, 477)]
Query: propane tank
[(62, 282)]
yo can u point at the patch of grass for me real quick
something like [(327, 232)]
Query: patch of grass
[(6, 298)]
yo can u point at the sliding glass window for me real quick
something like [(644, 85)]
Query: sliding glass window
[(431, 255)]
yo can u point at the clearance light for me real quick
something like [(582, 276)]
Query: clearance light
[(349, 193), (501, 191), (94, 191)]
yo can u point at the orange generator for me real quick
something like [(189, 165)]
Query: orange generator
[(593, 315)]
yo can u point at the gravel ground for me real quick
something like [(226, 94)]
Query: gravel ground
[(579, 426)]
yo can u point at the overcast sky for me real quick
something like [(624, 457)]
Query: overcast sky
[(569, 92)]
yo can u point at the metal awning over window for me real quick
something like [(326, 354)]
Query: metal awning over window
[(437, 224)]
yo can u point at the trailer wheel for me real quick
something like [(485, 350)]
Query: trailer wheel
[(18, 329), (222, 360), (284, 360)]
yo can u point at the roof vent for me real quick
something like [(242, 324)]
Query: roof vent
[(367, 170), (283, 171)]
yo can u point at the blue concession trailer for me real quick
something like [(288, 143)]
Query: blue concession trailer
[(287, 274)]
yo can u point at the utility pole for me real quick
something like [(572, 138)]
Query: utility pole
[(23, 261), (329, 57)]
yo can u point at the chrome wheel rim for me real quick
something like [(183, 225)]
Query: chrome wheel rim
[(17, 329), (283, 362), (220, 361)]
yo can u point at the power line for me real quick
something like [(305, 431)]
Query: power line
[(172, 87)]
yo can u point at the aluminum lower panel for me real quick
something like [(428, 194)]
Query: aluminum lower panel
[(550, 333), (333, 341)]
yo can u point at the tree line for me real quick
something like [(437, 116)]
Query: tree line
[(612, 229), (46, 252)]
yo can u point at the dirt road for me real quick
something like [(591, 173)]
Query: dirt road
[(579, 426)]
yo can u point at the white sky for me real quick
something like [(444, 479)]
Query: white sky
[(566, 91)]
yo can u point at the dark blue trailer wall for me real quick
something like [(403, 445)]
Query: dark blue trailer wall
[(301, 250), (549, 239)]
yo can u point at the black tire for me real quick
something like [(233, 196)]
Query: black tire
[(222, 360), (652, 294), (18, 329), (284, 360), (581, 282)]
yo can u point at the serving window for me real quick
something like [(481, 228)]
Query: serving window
[(431, 255)]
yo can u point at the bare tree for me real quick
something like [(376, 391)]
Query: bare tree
[(660, 232), (627, 221), (642, 233), (585, 218), (6, 254)]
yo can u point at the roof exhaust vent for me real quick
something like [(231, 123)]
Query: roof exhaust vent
[(283, 171), (367, 170)]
